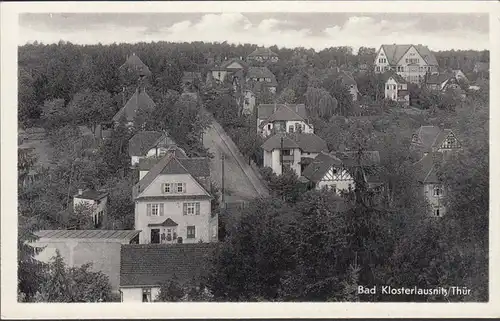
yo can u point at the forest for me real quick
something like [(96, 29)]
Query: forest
[(298, 245)]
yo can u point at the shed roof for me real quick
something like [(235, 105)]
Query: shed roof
[(87, 234)]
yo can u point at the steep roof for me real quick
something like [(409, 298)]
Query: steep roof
[(170, 164), (394, 53), (262, 51), (88, 234), (347, 78), (431, 136), (91, 194), (425, 168), (140, 100), (261, 72), (167, 222), (438, 79), (228, 62), (155, 264), (133, 61), (142, 142), (290, 112), (309, 143), (320, 166), (391, 74)]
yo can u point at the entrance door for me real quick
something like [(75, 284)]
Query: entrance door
[(155, 236)]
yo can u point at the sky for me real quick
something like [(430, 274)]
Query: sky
[(439, 31)]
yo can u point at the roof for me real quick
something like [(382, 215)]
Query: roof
[(167, 222), (170, 164), (347, 79), (140, 100), (431, 136), (262, 51), (226, 63), (425, 168), (309, 143), (394, 53), (136, 63), (142, 142), (402, 93), (350, 158), (155, 264), (387, 75), (88, 234), (320, 166), (261, 72), (439, 78), (92, 195), (290, 112)]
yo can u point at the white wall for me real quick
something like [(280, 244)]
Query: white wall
[(434, 201), (96, 208), (266, 131), (135, 294), (219, 75)]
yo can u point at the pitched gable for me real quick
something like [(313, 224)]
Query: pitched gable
[(142, 142), (139, 101)]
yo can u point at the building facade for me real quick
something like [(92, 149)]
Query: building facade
[(96, 202), (396, 89), (282, 118)]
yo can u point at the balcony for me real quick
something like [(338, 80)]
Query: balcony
[(288, 158)]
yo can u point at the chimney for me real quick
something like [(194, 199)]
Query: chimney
[(80, 191)]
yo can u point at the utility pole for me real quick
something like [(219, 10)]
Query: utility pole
[(222, 180)]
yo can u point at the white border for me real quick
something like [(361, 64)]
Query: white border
[(10, 308)]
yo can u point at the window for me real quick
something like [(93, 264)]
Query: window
[(180, 188), (377, 68), (437, 212), (394, 87), (290, 128), (98, 218), (388, 87), (146, 295), (382, 60), (269, 126), (167, 188), (286, 152), (333, 188), (437, 191), (191, 232), (155, 209), (191, 208)]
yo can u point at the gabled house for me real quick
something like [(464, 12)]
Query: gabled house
[(435, 145), (78, 247), (279, 118), (95, 201), (396, 88), (227, 68), (262, 55), (335, 171), (135, 64), (146, 267), (148, 144), (139, 102), (145, 164), (173, 201), (412, 62), (294, 150), (262, 75), (442, 82)]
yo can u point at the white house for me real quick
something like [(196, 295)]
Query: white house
[(294, 150), (145, 267), (435, 145), (280, 118), (173, 201), (96, 201), (335, 171), (396, 89), (412, 62), (146, 144)]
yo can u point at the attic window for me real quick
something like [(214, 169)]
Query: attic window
[(414, 138)]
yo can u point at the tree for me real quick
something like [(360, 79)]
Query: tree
[(286, 186), (287, 96), (320, 103), (91, 108), (338, 90), (170, 291), (55, 113), (28, 108)]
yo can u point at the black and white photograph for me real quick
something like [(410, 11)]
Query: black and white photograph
[(264, 156)]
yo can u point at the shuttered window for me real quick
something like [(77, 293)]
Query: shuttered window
[(191, 208)]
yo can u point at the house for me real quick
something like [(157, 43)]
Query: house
[(228, 67), (191, 80), (442, 82), (263, 75), (139, 102), (434, 139), (412, 62), (173, 201), (148, 144), (294, 150), (335, 171), (277, 118), (262, 55), (145, 164), (78, 247), (481, 67), (145, 267), (434, 145), (348, 81), (135, 64), (396, 89), (95, 201)]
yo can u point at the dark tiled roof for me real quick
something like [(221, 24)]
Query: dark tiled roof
[(155, 264), (92, 195), (395, 52), (351, 158), (88, 234), (309, 143), (263, 52), (167, 222), (431, 136), (265, 111), (392, 74), (228, 62), (169, 164), (347, 79), (134, 62), (142, 142), (320, 166), (261, 72), (438, 79), (138, 101), (425, 168)]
